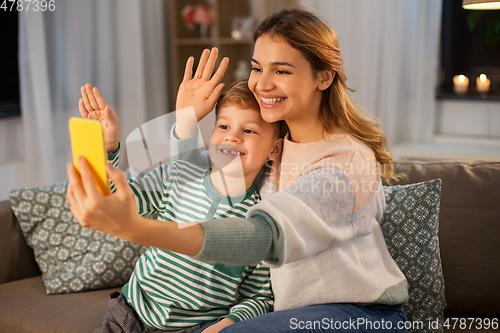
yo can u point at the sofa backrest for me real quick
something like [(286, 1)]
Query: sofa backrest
[(16, 258), (469, 231)]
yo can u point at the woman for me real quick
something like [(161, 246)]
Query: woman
[(318, 225)]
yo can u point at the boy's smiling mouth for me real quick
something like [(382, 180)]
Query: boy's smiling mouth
[(231, 151)]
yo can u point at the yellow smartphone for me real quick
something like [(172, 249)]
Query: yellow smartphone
[(87, 140)]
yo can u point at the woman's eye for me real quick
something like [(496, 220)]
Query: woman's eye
[(282, 72), (255, 69)]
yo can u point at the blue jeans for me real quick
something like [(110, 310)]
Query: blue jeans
[(325, 318)]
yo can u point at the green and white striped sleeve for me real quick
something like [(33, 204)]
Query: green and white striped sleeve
[(148, 190), (114, 158), (255, 295)]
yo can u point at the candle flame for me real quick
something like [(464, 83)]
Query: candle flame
[(461, 78), (482, 77)]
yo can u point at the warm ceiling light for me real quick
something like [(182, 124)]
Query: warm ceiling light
[(481, 4)]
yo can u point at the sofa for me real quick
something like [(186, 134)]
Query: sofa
[(469, 243)]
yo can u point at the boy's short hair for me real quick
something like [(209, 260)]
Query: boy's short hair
[(238, 94)]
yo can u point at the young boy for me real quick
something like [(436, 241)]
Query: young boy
[(172, 292)]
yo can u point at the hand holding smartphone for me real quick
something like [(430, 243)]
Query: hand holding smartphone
[(87, 140)]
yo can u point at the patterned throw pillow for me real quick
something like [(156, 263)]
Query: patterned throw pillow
[(71, 258), (410, 226)]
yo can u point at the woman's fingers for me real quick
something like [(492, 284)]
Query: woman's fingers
[(75, 192), (188, 71), (90, 94), (201, 65), (219, 74), (118, 177), (214, 96), (207, 72)]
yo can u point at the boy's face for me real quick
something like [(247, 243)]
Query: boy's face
[(242, 141)]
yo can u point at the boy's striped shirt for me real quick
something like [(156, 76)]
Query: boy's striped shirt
[(171, 291)]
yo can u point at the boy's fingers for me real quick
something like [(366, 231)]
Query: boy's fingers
[(100, 100), (82, 109), (219, 74), (90, 94), (202, 63), (88, 179), (110, 115), (207, 72), (188, 71), (86, 100)]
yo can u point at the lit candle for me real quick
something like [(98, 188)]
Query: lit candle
[(483, 84), (460, 84)]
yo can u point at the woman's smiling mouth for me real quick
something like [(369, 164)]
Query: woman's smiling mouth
[(271, 102)]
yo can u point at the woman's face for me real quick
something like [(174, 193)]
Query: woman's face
[(284, 83)]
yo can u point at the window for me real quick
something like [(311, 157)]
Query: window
[(9, 65), (470, 45)]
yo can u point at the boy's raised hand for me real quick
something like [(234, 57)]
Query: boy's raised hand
[(93, 106), (202, 90)]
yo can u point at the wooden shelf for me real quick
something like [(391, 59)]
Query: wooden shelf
[(185, 42)]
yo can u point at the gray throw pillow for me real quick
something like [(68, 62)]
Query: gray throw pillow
[(71, 258), (410, 226)]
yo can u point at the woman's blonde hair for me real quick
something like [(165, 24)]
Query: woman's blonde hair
[(317, 41)]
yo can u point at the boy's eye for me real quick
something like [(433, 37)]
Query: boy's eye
[(255, 69), (248, 131), (223, 127), (282, 72)]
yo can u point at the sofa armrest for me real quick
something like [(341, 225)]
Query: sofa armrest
[(16, 259)]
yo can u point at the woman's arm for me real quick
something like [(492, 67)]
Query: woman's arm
[(228, 240), (195, 99), (116, 213)]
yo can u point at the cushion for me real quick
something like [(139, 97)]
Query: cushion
[(410, 226), (71, 258)]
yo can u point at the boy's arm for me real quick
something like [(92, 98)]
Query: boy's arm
[(188, 149), (255, 295), (93, 106)]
